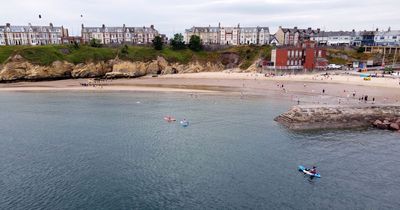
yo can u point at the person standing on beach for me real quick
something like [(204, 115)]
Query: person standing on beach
[(323, 91), (373, 100), (366, 98)]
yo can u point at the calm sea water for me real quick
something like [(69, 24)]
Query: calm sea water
[(114, 151)]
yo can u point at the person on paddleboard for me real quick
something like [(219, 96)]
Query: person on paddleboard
[(313, 170)]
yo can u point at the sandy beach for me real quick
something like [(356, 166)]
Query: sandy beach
[(306, 88)]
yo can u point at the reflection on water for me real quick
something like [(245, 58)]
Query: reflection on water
[(107, 151)]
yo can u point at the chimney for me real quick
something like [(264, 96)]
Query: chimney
[(353, 30), (83, 26), (152, 26), (377, 29), (219, 25), (123, 26), (51, 25), (103, 26), (8, 24), (389, 29), (318, 30), (238, 25), (295, 28)]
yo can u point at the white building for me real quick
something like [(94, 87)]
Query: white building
[(333, 38), (31, 35), (230, 35), (387, 38), (254, 35), (119, 35)]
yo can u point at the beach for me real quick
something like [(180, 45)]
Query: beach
[(305, 88)]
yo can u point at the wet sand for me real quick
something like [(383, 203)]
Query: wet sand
[(307, 89)]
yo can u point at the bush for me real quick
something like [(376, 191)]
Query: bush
[(95, 43), (158, 43), (178, 43), (361, 49), (195, 43)]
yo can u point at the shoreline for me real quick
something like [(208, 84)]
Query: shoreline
[(306, 88)]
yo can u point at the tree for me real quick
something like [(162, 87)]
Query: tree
[(124, 50), (158, 43), (195, 43), (95, 43), (178, 43)]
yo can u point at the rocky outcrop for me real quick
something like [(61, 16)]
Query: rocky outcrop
[(17, 68), (91, 70), (337, 117), (388, 124)]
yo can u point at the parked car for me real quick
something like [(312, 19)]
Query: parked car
[(334, 66)]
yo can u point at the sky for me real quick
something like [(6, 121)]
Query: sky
[(174, 16)]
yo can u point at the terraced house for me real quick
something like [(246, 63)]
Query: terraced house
[(387, 38), (294, 36), (119, 35), (230, 35), (334, 38), (32, 35)]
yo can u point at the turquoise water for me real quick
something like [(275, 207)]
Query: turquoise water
[(115, 151)]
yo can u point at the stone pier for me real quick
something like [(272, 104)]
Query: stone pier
[(308, 117)]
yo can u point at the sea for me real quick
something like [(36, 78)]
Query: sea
[(114, 150)]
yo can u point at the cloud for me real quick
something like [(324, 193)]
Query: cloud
[(175, 15)]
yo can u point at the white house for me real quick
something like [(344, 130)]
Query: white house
[(333, 38), (119, 35), (230, 35), (31, 35), (387, 38)]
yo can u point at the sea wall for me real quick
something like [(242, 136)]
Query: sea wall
[(19, 69), (308, 117)]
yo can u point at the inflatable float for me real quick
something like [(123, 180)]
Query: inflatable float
[(169, 119)]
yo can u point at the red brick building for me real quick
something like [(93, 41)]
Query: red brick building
[(307, 56)]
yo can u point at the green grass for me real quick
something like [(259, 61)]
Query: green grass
[(6, 52), (87, 54)]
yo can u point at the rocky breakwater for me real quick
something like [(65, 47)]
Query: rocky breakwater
[(309, 117), (387, 124)]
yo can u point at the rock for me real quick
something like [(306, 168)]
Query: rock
[(91, 70), (153, 68), (382, 126), (398, 121), (252, 68), (377, 122), (394, 126), (19, 69)]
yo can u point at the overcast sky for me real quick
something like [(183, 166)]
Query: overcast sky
[(174, 16)]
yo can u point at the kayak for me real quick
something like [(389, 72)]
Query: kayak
[(303, 169), (184, 123), (169, 119)]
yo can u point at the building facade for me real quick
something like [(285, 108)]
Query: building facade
[(119, 35), (230, 35), (333, 38), (294, 36), (32, 35), (306, 56), (387, 38)]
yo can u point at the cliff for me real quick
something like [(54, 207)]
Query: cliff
[(336, 117), (63, 62)]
